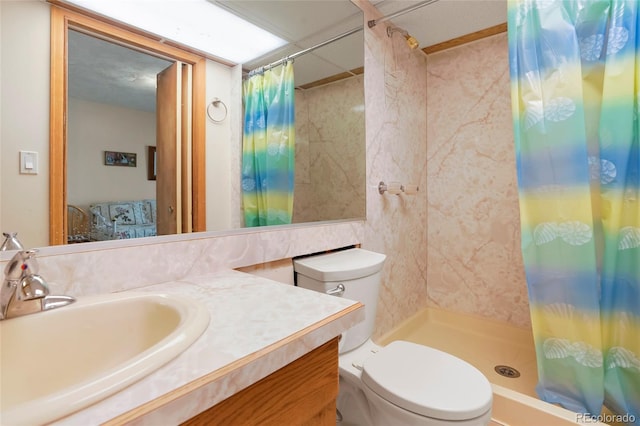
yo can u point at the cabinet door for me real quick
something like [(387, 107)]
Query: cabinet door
[(301, 393)]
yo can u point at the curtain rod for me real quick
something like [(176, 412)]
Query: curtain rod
[(373, 22), (303, 52)]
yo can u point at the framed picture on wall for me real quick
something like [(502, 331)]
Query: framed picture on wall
[(114, 158), (151, 163)]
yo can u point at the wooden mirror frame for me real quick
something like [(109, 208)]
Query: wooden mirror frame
[(63, 19)]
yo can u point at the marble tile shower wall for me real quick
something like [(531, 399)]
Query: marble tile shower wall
[(330, 152), (474, 262), (396, 92)]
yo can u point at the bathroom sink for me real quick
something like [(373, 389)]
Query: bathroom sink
[(56, 362)]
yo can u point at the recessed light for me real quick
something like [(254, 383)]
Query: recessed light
[(196, 23)]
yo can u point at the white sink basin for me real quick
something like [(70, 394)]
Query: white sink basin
[(56, 362)]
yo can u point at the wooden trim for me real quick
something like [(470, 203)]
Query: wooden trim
[(58, 130), (303, 392), (198, 149), (123, 34), (61, 20), (332, 78), (458, 41), (186, 147), (468, 38), (193, 386)]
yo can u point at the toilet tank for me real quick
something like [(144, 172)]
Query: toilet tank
[(358, 271)]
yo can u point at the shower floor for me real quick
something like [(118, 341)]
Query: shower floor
[(481, 342)]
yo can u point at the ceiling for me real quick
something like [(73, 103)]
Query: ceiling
[(116, 75), (304, 23)]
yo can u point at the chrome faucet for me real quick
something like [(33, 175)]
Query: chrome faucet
[(25, 292)]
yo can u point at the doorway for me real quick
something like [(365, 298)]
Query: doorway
[(187, 210), (111, 123)]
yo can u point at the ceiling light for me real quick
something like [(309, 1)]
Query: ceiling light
[(195, 23)]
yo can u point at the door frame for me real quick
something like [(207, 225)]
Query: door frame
[(61, 20)]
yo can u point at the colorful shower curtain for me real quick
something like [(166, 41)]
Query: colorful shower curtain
[(268, 147), (575, 83)]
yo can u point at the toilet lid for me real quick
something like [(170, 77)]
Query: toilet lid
[(428, 382)]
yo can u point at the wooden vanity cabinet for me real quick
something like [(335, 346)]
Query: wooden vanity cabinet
[(303, 392)]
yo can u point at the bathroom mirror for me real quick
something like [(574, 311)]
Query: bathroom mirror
[(97, 128), (327, 146)]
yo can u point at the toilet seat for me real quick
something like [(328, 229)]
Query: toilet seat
[(428, 382)]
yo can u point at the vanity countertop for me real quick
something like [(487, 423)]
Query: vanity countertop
[(256, 327)]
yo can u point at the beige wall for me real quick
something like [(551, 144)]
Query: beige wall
[(220, 203), (474, 263), (330, 152), (94, 128), (24, 119)]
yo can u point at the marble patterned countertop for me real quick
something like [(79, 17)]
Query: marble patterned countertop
[(256, 327)]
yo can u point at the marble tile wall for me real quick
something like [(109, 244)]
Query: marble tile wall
[(110, 266), (474, 262), (330, 152), (396, 92)]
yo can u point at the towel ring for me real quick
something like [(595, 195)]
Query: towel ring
[(215, 103)]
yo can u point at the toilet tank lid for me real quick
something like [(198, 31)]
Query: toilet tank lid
[(340, 265)]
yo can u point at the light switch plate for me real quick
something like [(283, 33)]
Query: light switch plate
[(28, 163)]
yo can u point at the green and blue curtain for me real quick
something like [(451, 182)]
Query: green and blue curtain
[(575, 84), (268, 147)]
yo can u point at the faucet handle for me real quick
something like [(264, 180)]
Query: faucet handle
[(22, 261), (11, 242), (33, 286), (30, 263)]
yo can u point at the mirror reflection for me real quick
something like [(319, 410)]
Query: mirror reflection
[(117, 201), (178, 131), (111, 123)]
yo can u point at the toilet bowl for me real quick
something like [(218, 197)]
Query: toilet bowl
[(402, 383)]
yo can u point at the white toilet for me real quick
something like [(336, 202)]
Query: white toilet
[(402, 383)]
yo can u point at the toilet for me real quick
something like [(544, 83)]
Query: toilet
[(403, 383)]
